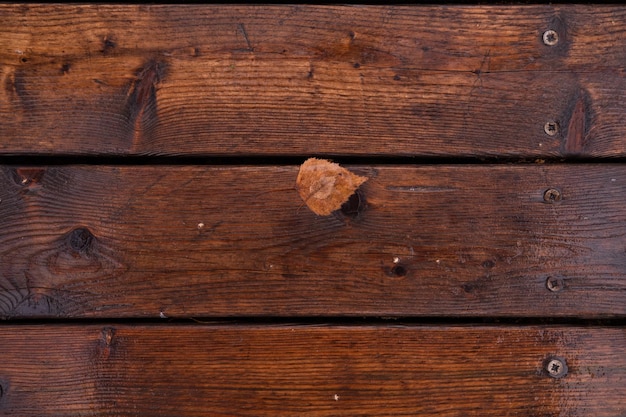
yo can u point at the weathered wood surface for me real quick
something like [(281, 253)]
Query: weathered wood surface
[(314, 371), (293, 80), (180, 241)]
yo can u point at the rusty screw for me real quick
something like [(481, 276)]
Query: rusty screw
[(556, 367), (552, 195), (554, 284), (550, 37), (551, 128)]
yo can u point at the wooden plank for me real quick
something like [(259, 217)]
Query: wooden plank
[(180, 241), (315, 371), (289, 80)]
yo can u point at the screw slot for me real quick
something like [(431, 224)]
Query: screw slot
[(556, 367), (552, 195), (555, 284), (550, 37), (551, 128)]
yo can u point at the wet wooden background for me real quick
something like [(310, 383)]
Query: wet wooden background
[(156, 259)]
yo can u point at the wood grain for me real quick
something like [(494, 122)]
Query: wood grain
[(325, 80), (180, 241), (315, 371)]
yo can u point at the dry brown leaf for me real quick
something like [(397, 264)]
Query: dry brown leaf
[(324, 186)]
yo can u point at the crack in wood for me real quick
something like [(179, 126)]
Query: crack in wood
[(242, 29)]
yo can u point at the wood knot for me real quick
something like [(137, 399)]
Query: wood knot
[(354, 206), (29, 178), (80, 239), (107, 342), (107, 336)]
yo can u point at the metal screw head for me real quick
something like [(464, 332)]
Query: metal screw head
[(550, 37), (552, 195), (554, 284), (551, 128), (556, 367)]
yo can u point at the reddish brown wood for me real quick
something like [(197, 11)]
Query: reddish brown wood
[(184, 241), (308, 370), (107, 242), (300, 80)]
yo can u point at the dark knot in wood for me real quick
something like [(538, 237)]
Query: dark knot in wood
[(80, 239)]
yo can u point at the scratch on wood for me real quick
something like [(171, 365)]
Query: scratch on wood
[(420, 189), (242, 29), (478, 82), (575, 141)]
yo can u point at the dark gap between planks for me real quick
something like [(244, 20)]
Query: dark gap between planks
[(267, 160), (327, 321)]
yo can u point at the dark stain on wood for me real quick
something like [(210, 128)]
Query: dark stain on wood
[(558, 23), (17, 88), (18, 302)]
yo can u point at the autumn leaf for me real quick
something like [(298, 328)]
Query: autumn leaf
[(324, 186)]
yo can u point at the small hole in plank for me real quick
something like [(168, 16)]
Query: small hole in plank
[(399, 270)]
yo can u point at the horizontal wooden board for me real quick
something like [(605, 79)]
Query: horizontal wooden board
[(291, 80), (315, 371), (180, 241)]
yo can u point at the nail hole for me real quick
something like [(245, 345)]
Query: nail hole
[(489, 264), (357, 65), (550, 37), (398, 270)]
